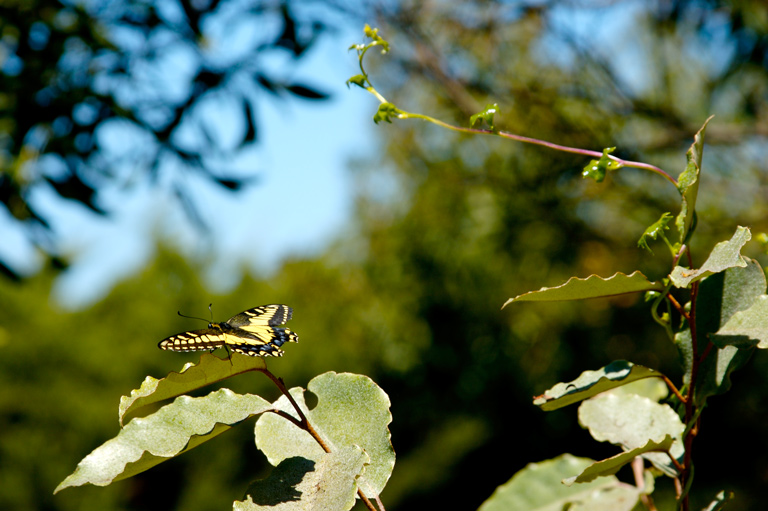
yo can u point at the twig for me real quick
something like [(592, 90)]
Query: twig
[(672, 387), (527, 140), (638, 467)]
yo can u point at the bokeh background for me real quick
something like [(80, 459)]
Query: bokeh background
[(161, 156)]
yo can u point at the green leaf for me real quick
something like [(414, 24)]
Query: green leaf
[(746, 328), (596, 169), (351, 410), (720, 297), (359, 80), (726, 254), (591, 287), (537, 487), (486, 115), (654, 230), (299, 484), (688, 184), (385, 113), (719, 502), (714, 376), (377, 40), (210, 369), (630, 421), (610, 466), (618, 498), (173, 429), (653, 388), (591, 383)]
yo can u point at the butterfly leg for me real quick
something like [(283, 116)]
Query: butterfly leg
[(229, 354)]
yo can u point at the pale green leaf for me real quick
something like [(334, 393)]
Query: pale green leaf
[(630, 421), (610, 466), (653, 388), (688, 184), (591, 383), (618, 498), (173, 429), (300, 484), (210, 369), (746, 328), (351, 410), (538, 487), (590, 287), (719, 502), (726, 254)]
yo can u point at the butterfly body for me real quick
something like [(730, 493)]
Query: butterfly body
[(254, 332)]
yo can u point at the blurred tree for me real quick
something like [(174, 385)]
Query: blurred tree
[(469, 222), (103, 95)]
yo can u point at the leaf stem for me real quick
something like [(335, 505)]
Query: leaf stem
[(638, 467), (680, 309), (304, 424), (680, 468), (674, 390)]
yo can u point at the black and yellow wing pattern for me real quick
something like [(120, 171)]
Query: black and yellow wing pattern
[(254, 332)]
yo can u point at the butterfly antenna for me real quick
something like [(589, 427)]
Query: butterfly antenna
[(191, 317)]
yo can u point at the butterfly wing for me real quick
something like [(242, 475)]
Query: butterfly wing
[(255, 332), (196, 340), (265, 315)]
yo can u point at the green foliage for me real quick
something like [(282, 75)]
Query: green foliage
[(209, 370), (538, 487), (655, 230), (660, 433), (172, 430), (688, 185), (345, 437), (610, 466), (591, 383), (351, 411), (745, 327), (591, 287), (597, 169), (385, 113), (485, 116), (631, 421), (297, 483), (726, 254)]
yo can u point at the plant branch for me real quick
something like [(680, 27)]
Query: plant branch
[(363, 81), (637, 470), (692, 430), (527, 140)]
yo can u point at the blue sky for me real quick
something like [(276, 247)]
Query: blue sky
[(300, 202)]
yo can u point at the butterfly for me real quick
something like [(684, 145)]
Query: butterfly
[(253, 332)]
